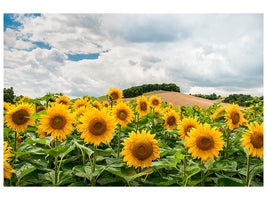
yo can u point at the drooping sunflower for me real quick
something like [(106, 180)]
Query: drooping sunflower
[(7, 167), (115, 94), (155, 101), (142, 105), (234, 116), (96, 127), (78, 103), (204, 142), (40, 108), (17, 117), (57, 122), (122, 114), (140, 149), (64, 100), (218, 112), (253, 139), (97, 105), (171, 120), (186, 125)]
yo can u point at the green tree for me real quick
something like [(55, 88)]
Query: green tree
[(9, 95)]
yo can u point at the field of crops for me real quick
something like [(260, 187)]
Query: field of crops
[(58, 141)]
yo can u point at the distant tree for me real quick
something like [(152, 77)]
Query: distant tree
[(9, 95)]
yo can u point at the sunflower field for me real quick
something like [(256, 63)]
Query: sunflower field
[(58, 141)]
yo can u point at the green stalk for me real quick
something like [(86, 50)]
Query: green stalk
[(248, 164), (15, 145), (184, 174), (56, 164), (137, 119), (93, 168), (227, 144), (119, 142), (202, 174)]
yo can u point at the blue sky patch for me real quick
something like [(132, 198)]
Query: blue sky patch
[(77, 57), (42, 45)]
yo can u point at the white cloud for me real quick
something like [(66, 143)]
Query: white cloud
[(222, 52)]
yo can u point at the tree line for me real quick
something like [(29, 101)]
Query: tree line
[(139, 90)]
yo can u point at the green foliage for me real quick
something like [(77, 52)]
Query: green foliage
[(9, 95), (212, 96), (139, 90), (240, 99)]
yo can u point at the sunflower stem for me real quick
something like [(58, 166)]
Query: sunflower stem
[(56, 163), (202, 174), (184, 174), (227, 144), (248, 164), (93, 169), (119, 141), (15, 144), (137, 119)]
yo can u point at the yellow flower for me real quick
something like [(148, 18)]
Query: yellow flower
[(253, 139), (7, 106), (80, 111), (64, 100), (140, 149), (204, 142), (78, 103), (155, 101), (41, 108), (122, 114), (157, 111), (57, 122), (115, 94), (105, 104), (171, 120), (186, 126), (218, 112), (17, 117), (7, 167), (96, 127), (97, 105), (142, 105), (171, 106), (234, 116)]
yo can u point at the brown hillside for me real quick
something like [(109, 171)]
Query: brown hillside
[(179, 99)]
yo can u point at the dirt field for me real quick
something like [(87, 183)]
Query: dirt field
[(179, 99)]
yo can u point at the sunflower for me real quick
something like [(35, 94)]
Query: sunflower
[(97, 105), (253, 140), (122, 114), (171, 106), (155, 101), (57, 122), (86, 98), (166, 110), (171, 120), (234, 116), (17, 117), (142, 105), (64, 100), (115, 94), (7, 167), (140, 149), (78, 103), (41, 108), (7, 106), (186, 126), (105, 104), (204, 142), (157, 111), (80, 111), (218, 112), (96, 127)]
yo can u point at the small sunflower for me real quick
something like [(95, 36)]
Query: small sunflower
[(17, 117), (7, 106), (140, 149), (7, 167), (96, 127), (122, 114), (204, 142), (171, 120), (157, 111), (218, 112), (80, 111), (105, 104), (86, 97), (57, 122), (40, 108), (234, 116), (186, 126), (166, 110), (97, 105), (155, 101), (78, 103), (171, 106), (115, 94), (142, 105), (64, 100), (253, 140)]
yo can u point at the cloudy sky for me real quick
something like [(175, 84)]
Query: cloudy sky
[(86, 54)]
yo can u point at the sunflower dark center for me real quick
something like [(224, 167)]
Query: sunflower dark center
[(122, 115), (20, 117), (114, 96), (188, 129), (235, 117), (63, 102), (205, 143), (171, 120), (58, 122), (142, 150), (98, 126), (143, 106), (257, 140), (155, 102)]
